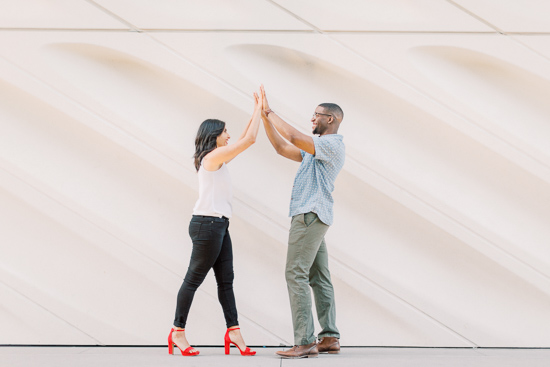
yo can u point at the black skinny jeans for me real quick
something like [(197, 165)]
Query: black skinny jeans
[(211, 249)]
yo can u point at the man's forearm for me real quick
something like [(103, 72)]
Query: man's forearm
[(272, 134), (288, 132), (295, 137)]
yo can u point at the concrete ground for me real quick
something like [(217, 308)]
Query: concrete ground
[(19, 356)]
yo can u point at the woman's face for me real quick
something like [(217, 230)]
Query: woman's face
[(223, 138)]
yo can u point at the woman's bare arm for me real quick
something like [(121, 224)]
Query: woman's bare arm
[(213, 160)]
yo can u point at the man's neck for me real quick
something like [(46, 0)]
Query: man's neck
[(329, 133)]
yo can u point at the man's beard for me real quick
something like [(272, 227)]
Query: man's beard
[(316, 130)]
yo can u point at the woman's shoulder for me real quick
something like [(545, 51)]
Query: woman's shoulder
[(207, 168)]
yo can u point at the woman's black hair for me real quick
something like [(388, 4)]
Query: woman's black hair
[(205, 142)]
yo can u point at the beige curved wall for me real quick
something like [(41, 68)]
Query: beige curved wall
[(441, 234)]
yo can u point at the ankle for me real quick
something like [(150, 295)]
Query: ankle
[(235, 334)]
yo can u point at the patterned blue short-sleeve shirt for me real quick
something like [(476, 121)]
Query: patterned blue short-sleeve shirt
[(314, 182)]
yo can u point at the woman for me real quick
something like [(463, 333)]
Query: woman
[(209, 229)]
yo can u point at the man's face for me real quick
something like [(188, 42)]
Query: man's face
[(320, 120)]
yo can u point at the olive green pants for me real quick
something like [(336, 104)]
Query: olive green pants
[(307, 266)]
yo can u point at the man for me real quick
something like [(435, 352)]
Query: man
[(321, 160)]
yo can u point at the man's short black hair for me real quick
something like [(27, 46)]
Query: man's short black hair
[(334, 110)]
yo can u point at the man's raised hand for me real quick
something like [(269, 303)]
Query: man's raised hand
[(264, 101)]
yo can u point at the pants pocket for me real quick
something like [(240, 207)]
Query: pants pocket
[(309, 218), (200, 230), (205, 231), (194, 229)]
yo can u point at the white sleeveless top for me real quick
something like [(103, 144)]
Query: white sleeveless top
[(215, 193)]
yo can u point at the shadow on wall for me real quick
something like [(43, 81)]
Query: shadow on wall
[(163, 105), (509, 96), (90, 171)]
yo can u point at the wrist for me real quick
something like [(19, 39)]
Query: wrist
[(268, 111)]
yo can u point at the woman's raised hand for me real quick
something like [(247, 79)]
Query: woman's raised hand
[(257, 102)]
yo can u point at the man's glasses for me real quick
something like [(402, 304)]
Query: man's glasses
[(317, 114)]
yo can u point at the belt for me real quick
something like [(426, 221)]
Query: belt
[(216, 219)]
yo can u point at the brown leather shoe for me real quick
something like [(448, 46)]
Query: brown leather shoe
[(329, 344), (301, 351)]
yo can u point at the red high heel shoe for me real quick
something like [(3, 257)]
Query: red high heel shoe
[(228, 342), (185, 352)]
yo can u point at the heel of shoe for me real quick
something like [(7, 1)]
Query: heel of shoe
[(227, 341), (170, 343)]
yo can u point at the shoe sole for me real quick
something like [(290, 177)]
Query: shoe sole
[(298, 357)]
